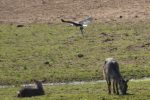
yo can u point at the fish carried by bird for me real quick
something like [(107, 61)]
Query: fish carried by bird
[(83, 23)]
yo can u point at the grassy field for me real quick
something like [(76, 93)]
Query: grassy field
[(89, 91), (59, 53)]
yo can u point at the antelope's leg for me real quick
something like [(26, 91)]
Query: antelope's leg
[(114, 86), (117, 88), (109, 86)]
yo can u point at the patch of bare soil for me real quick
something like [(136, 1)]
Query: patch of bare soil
[(51, 11)]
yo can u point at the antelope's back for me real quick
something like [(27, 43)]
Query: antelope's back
[(111, 68)]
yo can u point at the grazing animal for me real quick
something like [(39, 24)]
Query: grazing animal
[(80, 24), (32, 91), (111, 72)]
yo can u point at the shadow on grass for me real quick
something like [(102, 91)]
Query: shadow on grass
[(129, 94)]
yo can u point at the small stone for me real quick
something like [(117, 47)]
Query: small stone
[(80, 55), (20, 25), (46, 62), (120, 16)]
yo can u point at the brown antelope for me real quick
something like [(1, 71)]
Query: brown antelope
[(111, 72), (32, 91)]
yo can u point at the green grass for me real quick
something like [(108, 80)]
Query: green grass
[(89, 91), (50, 52)]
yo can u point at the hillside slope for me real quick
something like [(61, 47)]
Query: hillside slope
[(50, 11)]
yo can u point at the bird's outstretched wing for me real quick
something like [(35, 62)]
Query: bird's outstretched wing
[(81, 23), (71, 22), (86, 21)]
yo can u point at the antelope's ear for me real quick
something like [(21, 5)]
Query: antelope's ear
[(127, 80), (44, 80), (104, 63), (34, 80)]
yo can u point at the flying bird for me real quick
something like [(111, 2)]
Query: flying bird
[(80, 24)]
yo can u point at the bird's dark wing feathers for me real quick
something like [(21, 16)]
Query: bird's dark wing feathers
[(71, 22), (86, 21)]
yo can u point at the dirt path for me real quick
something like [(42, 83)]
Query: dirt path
[(50, 11), (74, 83)]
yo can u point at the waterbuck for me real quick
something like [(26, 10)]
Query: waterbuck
[(32, 91), (112, 73)]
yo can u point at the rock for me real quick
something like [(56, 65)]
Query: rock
[(80, 55)]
